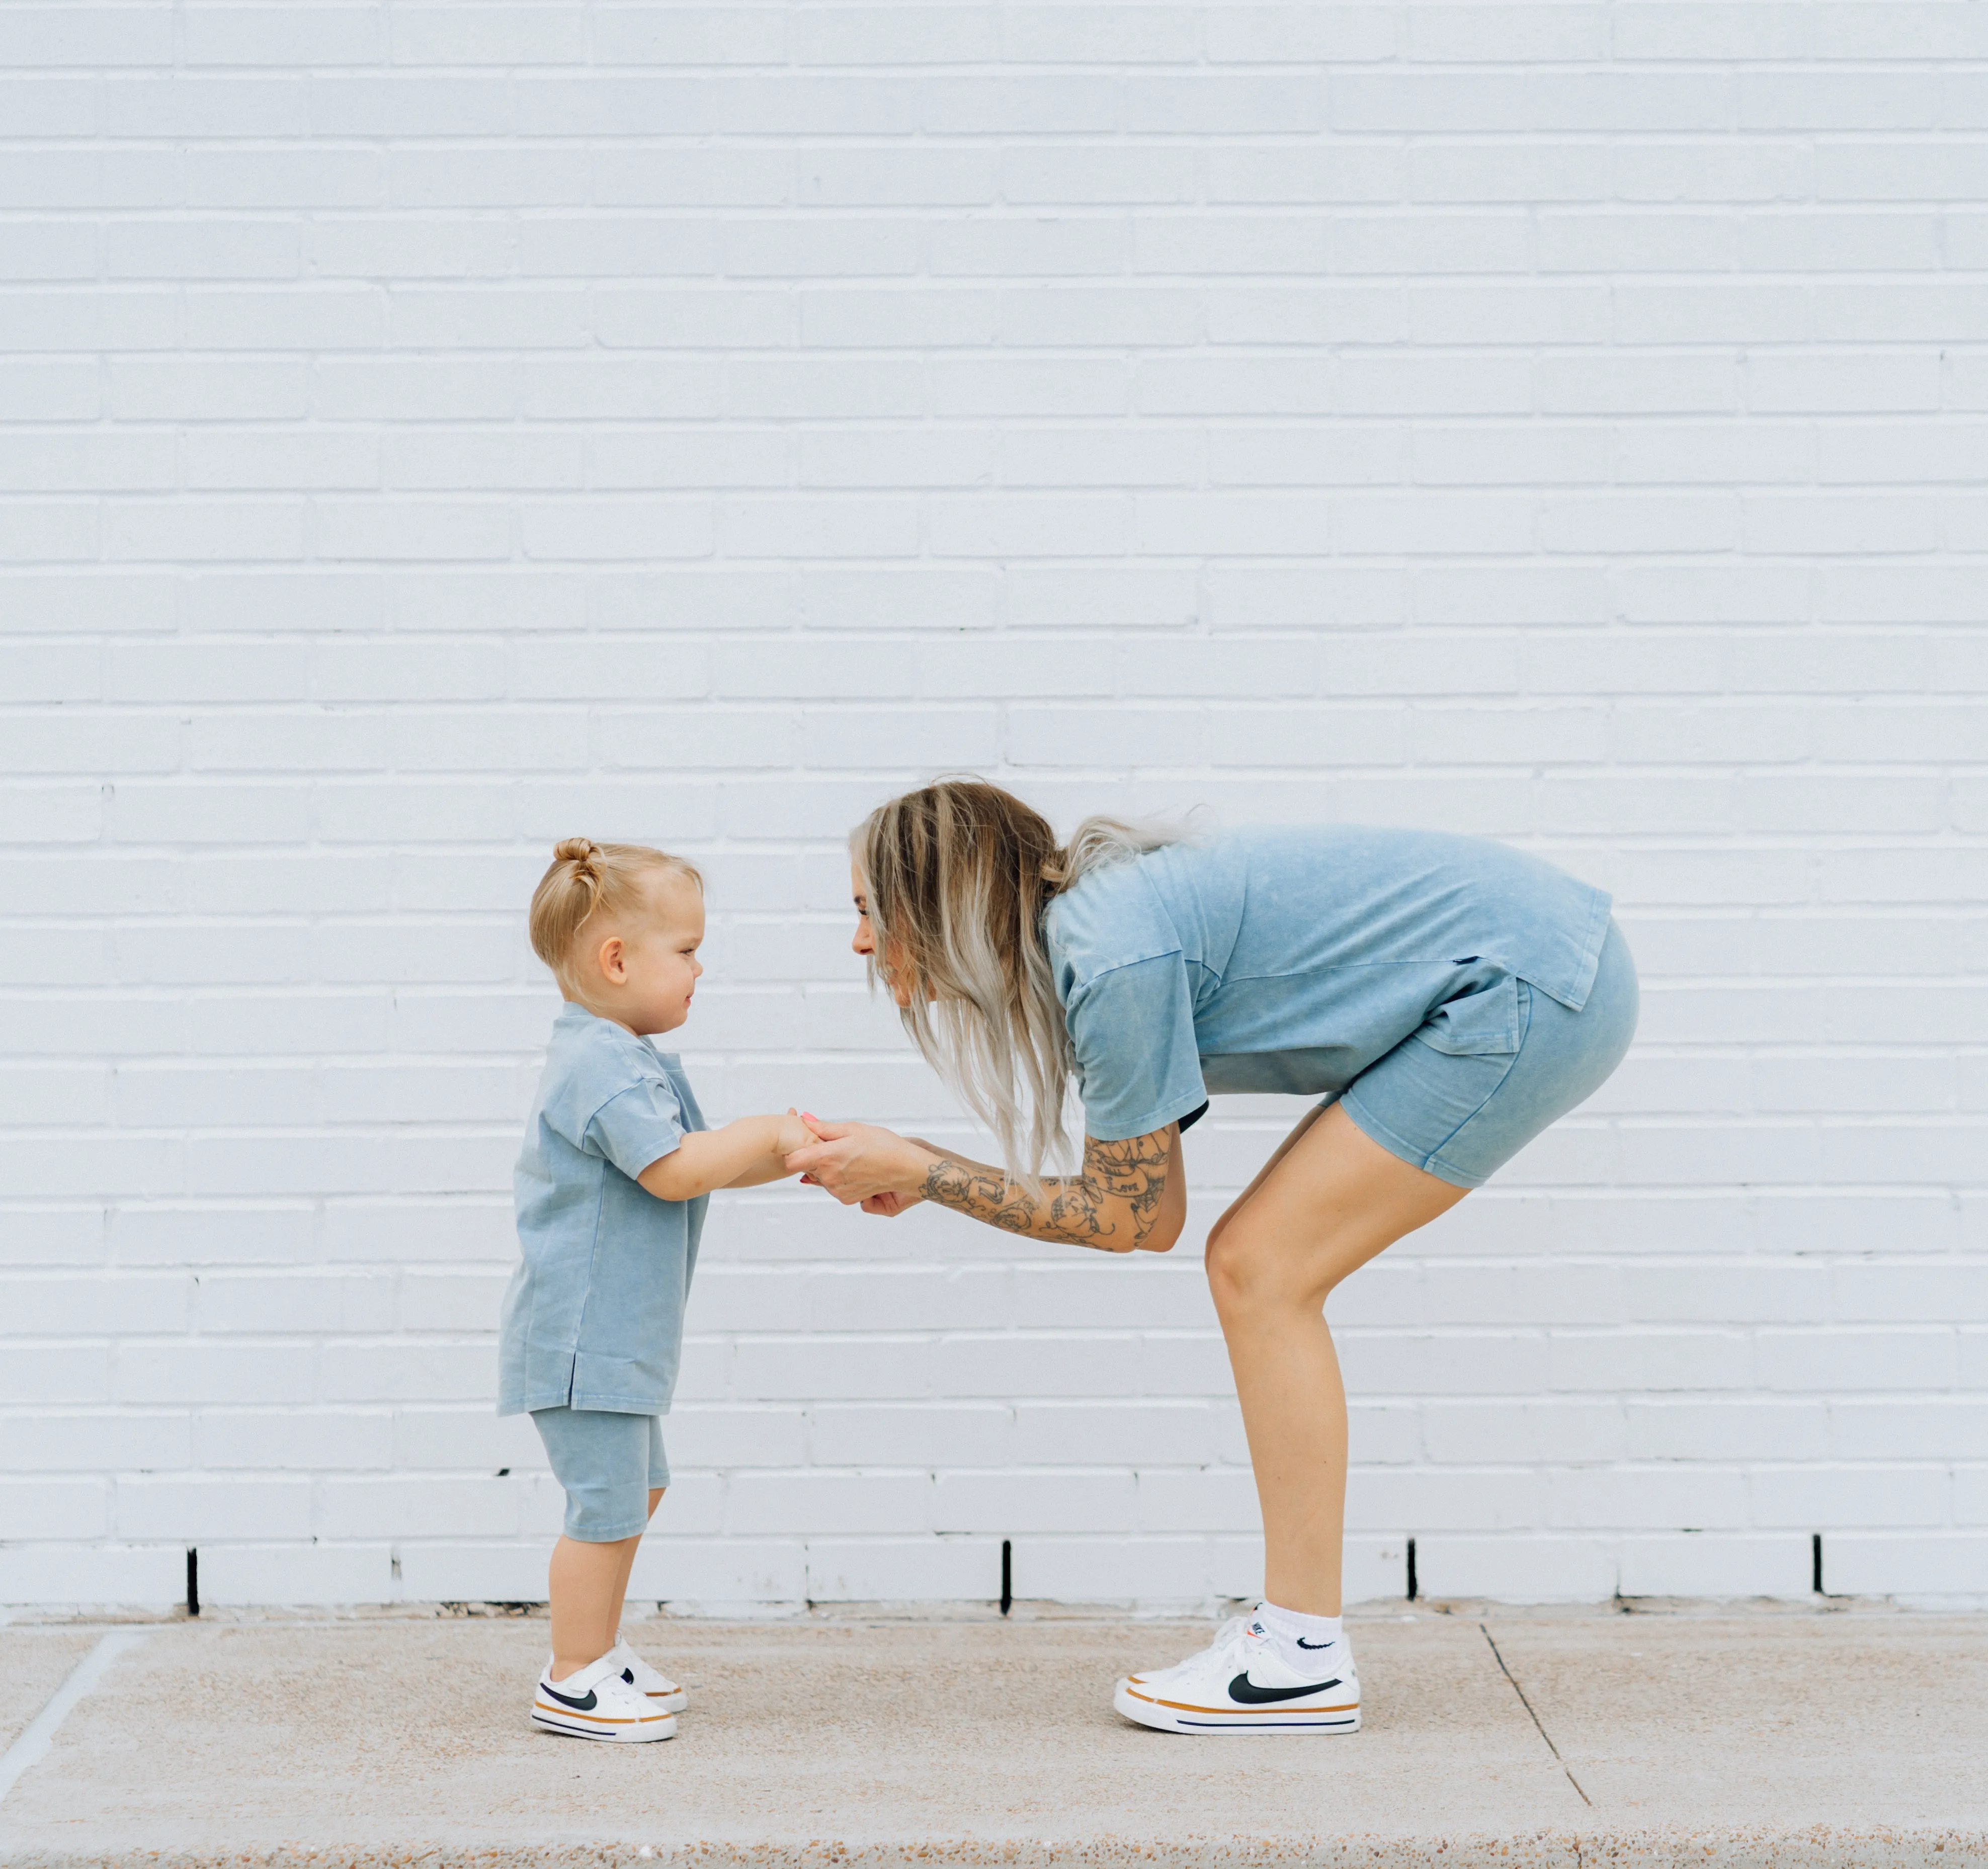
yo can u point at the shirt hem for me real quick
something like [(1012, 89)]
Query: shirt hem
[(1170, 1111), (1583, 983)]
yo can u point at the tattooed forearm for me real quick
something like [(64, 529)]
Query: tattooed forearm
[(1111, 1203)]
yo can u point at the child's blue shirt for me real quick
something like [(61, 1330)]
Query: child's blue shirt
[(593, 1318)]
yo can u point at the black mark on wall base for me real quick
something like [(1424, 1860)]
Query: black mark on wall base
[(193, 1582), (1415, 1587), (1007, 1575)]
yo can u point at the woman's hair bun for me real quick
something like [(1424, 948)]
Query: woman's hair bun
[(574, 850)]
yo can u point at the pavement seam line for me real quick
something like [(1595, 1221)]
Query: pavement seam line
[(39, 1733), (1522, 1701)]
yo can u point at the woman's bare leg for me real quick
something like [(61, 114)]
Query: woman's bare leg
[(1330, 1200), (1263, 1174)]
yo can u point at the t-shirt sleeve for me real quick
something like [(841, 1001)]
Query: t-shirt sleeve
[(641, 1125), (1132, 1029)]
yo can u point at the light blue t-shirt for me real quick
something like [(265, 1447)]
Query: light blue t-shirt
[(593, 1318), (1290, 959)]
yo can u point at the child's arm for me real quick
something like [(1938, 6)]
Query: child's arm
[(774, 1168), (741, 1154)]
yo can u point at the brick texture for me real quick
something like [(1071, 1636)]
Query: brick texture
[(427, 431)]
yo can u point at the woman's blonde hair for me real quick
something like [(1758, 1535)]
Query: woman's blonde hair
[(584, 877), (958, 874)]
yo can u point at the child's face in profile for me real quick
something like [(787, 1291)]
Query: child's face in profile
[(642, 970)]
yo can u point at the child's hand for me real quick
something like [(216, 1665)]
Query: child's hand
[(793, 1134)]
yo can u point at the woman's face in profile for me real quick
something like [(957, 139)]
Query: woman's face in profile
[(864, 942)]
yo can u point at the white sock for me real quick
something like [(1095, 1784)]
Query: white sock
[(1314, 1646)]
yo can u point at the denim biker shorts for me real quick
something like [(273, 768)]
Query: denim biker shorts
[(608, 1464), (1461, 1095)]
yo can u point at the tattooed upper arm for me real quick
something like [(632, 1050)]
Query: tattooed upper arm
[(1112, 1202)]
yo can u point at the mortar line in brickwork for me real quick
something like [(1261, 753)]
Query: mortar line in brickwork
[(1534, 1716)]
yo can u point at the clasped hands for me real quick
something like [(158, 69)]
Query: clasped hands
[(864, 1165)]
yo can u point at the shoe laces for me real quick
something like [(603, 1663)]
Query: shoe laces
[(1230, 1638)]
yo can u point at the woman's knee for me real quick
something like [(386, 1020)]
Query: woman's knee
[(1254, 1269), (1249, 1269), (1230, 1271)]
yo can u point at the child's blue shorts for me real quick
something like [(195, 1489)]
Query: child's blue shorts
[(1461, 1097), (608, 1464)]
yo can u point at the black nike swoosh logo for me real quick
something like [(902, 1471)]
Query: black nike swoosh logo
[(1304, 1644), (566, 1700), (1246, 1690)]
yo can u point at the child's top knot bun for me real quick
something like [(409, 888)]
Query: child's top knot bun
[(584, 877)]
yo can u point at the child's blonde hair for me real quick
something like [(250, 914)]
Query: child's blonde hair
[(586, 875)]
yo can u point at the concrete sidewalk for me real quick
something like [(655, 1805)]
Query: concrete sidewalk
[(1671, 1735)]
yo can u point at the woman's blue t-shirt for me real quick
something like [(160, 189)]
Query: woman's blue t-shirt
[(593, 1318), (1291, 958)]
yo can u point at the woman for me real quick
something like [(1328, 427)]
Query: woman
[(1445, 998)]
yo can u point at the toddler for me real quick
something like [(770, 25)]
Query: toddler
[(611, 1192)]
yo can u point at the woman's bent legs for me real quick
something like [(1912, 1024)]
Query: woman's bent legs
[(1331, 1201)]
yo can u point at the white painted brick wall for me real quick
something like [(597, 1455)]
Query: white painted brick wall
[(432, 430)]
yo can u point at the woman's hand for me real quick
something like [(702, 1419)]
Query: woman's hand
[(859, 1163), (891, 1205)]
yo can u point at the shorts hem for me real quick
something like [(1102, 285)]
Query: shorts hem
[(1375, 1131), (603, 1538), (584, 1401)]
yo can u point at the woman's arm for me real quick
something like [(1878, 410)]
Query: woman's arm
[(1128, 1196), (741, 1154)]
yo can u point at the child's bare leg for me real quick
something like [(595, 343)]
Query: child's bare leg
[(585, 1582), (627, 1566)]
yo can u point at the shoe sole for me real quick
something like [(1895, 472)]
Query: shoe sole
[(1163, 1716), (594, 1726)]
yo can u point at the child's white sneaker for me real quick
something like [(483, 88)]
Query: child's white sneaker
[(664, 1696), (594, 1702), (1240, 1684)]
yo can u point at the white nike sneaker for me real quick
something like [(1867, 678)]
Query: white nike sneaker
[(664, 1696), (1240, 1684), (594, 1702)]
